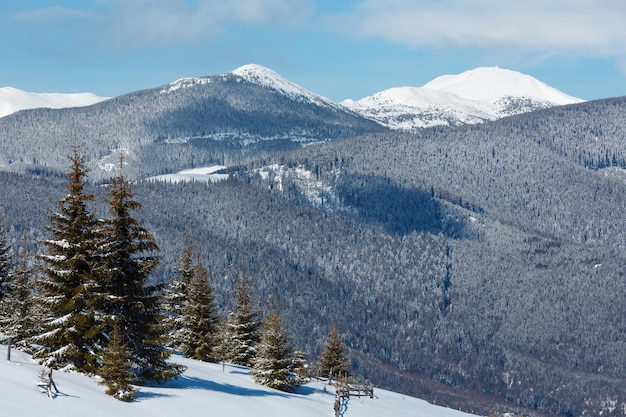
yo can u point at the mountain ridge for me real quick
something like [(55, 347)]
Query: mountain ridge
[(222, 119), (473, 96)]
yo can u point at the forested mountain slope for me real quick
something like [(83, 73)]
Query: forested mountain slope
[(533, 211), (487, 257), (190, 122)]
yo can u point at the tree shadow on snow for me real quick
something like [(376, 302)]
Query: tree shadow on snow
[(142, 395), (204, 384)]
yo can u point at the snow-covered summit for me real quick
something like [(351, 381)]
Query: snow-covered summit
[(13, 99), (474, 96), (265, 77), (492, 83), (186, 82)]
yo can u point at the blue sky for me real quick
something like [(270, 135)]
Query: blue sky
[(337, 48)]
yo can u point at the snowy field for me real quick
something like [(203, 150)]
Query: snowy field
[(202, 390), (13, 99), (206, 174)]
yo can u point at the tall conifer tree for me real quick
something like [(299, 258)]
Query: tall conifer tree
[(129, 252), (69, 291)]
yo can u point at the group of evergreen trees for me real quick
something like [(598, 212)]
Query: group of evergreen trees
[(91, 307), (243, 338), (94, 309)]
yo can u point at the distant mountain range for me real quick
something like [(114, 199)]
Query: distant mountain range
[(223, 119), (13, 99), (471, 97)]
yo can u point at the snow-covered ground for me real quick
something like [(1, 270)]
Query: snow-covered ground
[(206, 174), (13, 99), (202, 390)]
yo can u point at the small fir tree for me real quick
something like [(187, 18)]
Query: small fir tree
[(129, 256), (71, 333), (199, 319), (334, 360), (116, 371), (276, 363), (242, 327)]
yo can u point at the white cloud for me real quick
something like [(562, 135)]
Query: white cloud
[(538, 27), (170, 21)]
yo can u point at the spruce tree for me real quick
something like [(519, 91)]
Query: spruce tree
[(116, 371), (275, 363), (175, 295), (242, 327), (129, 252), (70, 333), (334, 360), (199, 319)]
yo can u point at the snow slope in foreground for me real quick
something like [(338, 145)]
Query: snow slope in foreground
[(13, 99), (203, 390)]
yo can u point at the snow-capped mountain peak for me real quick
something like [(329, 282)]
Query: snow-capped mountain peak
[(14, 99), (475, 96), (267, 78)]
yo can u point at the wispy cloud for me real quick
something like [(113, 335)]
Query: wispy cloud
[(55, 13), (535, 27), (162, 22)]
